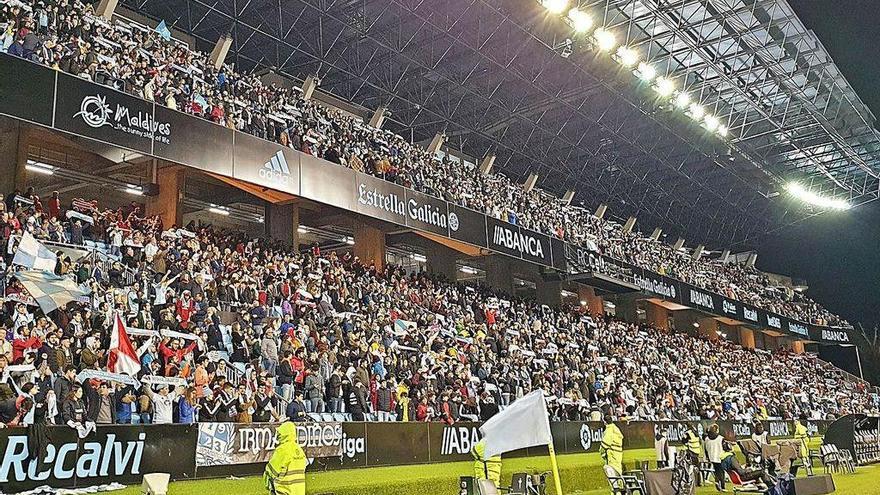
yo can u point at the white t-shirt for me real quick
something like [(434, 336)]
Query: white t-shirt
[(163, 407)]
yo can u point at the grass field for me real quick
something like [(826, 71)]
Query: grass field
[(581, 475)]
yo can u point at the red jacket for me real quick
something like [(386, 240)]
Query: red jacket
[(19, 346)]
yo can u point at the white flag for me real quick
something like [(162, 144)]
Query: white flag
[(31, 253), (524, 423)]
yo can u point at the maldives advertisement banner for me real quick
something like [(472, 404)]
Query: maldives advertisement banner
[(107, 115)]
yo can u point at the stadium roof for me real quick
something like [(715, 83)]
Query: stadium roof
[(501, 76)]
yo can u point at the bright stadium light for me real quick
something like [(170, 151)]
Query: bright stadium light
[(646, 71), (697, 111), (712, 122), (801, 193), (219, 210), (683, 100), (627, 56), (605, 39), (664, 86), (580, 20), (722, 130), (555, 6), (39, 170)]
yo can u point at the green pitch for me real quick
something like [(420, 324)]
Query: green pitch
[(581, 475)]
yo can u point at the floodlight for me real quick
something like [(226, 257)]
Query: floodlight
[(722, 130), (712, 122), (799, 192), (683, 100), (580, 20), (664, 87), (555, 6), (627, 56), (697, 111), (605, 39), (646, 71)]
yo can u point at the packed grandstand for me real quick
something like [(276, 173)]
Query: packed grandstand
[(69, 37), (323, 332)]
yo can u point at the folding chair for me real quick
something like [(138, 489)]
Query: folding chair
[(623, 484)]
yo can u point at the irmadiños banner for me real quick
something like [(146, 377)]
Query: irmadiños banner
[(222, 444)]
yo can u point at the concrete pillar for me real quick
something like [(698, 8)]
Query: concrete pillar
[(746, 337), (499, 273), (600, 211), (13, 155), (369, 245), (221, 49), (590, 301), (567, 197), (657, 316), (725, 256), (441, 261), (708, 328), (378, 117), (655, 236), (626, 307), (166, 204), (309, 86), (486, 164), (698, 252), (106, 8), (548, 292), (282, 224), (750, 262), (628, 226), (530, 182), (678, 244), (436, 143)]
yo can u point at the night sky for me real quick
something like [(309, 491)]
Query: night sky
[(837, 253)]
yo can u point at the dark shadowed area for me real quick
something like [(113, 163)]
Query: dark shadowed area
[(837, 253)]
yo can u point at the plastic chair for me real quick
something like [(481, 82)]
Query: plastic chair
[(623, 484)]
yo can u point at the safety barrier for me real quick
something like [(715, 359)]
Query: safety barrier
[(124, 453)]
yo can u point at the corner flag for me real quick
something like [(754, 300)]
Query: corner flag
[(524, 423)]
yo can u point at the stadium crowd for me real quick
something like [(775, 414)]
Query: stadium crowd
[(235, 329), (66, 35)]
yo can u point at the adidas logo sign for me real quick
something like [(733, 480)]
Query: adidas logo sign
[(276, 169)]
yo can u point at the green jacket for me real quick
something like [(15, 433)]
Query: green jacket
[(285, 473)]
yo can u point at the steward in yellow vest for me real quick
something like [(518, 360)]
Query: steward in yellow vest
[(286, 471), (802, 436), (486, 469), (694, 450), (611, 448)]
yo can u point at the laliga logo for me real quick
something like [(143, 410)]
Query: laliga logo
[(453, 221), (588, 436), (94, 111)]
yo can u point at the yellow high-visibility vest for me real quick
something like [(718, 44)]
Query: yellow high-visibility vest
[(285, 473)]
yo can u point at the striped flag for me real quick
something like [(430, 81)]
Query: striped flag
[(32, 254), (122, 358)]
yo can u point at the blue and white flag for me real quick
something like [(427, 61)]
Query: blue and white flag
[(32, 254), (163, 31)]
